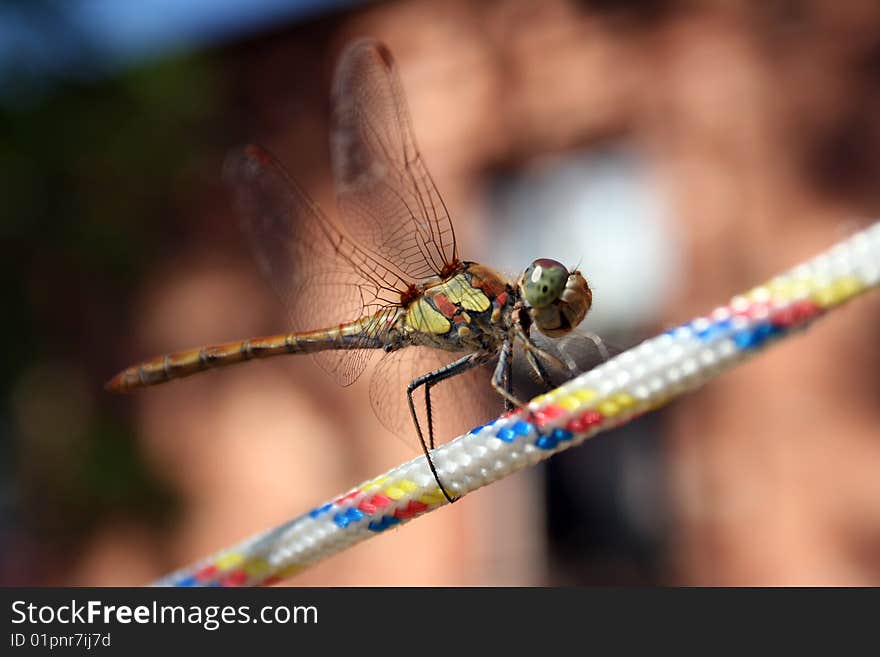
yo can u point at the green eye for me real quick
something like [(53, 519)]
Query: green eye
[(543, 282)]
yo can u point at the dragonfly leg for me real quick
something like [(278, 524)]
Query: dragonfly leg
[(534, 355), (502, 380), (507, 382), (429, 380), (539, 369), (503, 384), (532, 352), (433, 378)]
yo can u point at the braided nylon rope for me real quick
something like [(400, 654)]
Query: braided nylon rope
[(638, 380)]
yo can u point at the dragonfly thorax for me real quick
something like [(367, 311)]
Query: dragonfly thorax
[(557, 300), (468, 310)]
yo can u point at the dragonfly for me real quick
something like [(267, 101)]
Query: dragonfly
[(386, 276)]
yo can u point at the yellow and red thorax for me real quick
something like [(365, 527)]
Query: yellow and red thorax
[(460, 312)]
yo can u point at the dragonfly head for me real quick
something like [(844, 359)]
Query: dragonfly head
[(558, 300)]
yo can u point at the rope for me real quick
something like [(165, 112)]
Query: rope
[(634, 382)]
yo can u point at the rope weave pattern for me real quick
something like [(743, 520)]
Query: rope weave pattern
[(634, 382)]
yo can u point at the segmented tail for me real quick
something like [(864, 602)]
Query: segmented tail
[(185, 363)]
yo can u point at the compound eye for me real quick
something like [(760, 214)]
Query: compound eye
[(543, 282)]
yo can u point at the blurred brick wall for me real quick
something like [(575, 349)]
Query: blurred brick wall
[(761, 119)]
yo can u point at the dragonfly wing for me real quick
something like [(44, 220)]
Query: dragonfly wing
[(385, 193), (561, 359), (458, 404), (466, 400), (580, 350), (323, 277)]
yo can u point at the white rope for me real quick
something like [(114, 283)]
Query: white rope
[(637, 380)]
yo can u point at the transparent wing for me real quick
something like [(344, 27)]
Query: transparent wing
[(466, 400), (458, 404), (581, 350), (385, 193), (569, 356), (323, 277)]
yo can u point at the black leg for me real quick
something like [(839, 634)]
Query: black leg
[(503, 374), (429, 415), (428, 380), (508, 385), (535, 357), (448, 371), (502, 379), (507, 381), (532, 351), (539, 369)]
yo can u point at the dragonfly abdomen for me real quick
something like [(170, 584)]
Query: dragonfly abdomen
[(192, 361)]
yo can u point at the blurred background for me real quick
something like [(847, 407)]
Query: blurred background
[(681, 151)]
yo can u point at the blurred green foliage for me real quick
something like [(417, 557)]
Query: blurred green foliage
[(90, 175)]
